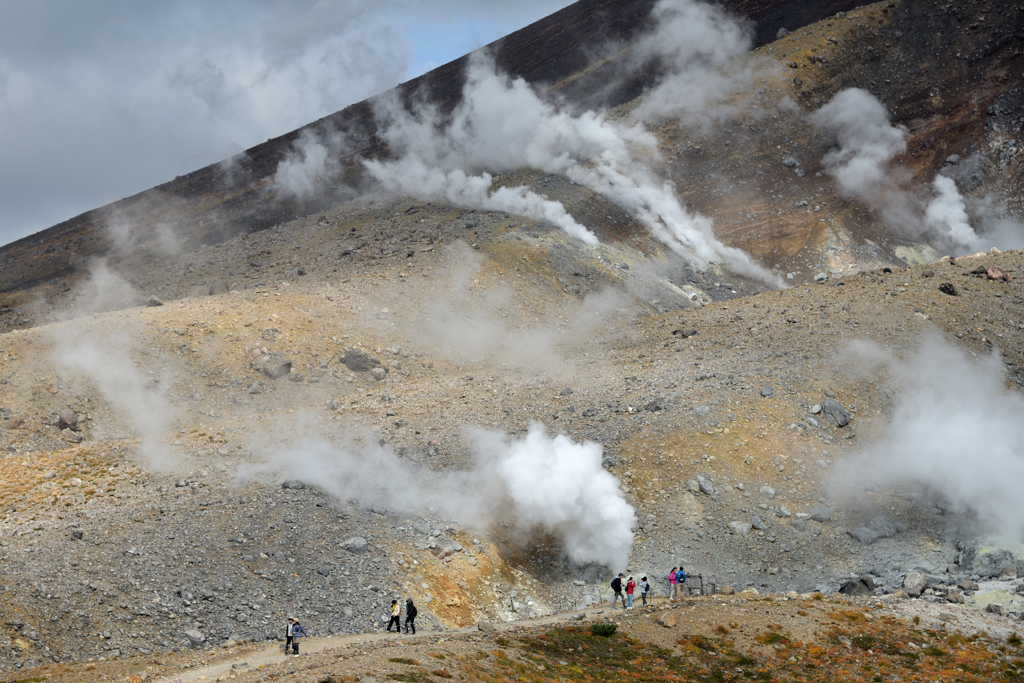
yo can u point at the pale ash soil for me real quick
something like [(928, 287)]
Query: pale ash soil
[(255, 549)]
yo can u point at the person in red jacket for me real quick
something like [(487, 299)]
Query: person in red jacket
[(630, 587)]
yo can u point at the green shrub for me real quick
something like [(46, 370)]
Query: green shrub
[(603, 629)]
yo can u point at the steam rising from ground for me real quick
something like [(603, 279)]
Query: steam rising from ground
[(103, 357), (691, 42), (311, 162), (861, 166), (536, 482), (501, 124), (955, 428)]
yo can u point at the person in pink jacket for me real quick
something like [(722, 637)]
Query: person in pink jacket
[(672, 584)]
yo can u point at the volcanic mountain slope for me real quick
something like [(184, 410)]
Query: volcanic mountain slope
[(949, 74), (154, 517)]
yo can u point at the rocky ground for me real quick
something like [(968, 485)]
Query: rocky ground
[(157, 410)]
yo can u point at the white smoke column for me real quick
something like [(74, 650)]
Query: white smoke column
[(501, 124), (867, 142), (862, 168), (691, 42), (560, 486), (537, 482), (308, 166), (955, 428), (947, 214), (105, 360)]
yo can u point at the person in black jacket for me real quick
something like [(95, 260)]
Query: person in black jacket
[(617, 587), (410, 616)]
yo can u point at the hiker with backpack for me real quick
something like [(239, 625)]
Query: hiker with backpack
[(645, 588), (410, 616), (617, 587), (681, 581), (672, 588)]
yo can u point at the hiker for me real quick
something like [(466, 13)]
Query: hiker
[(295, 631), (410, 616), (396, 617), (617, 587), (645, 588), (672, 584), (630, 587), (681, 581)]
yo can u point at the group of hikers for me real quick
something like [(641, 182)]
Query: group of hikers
[(676, 578), (295, 632)]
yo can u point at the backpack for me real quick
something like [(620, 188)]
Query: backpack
[(617, 584), (681, 576), (410, 612)]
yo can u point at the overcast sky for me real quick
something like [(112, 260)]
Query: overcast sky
[(101, 99)]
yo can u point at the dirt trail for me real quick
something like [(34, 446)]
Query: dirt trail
[(273, 653)]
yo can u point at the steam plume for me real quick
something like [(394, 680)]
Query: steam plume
[(955, 428), (862, 168), (502, 124), (691, 42), (90, 348), (550, 483), (311, 163)]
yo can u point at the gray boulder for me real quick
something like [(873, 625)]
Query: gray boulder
[(914, 584), (195, 636), (276, 367), (293, 484), (706, 486), (67, 419), (356, 544), (865, 535), (741, 528), (883, 526), (834, 409), (862, 585), (757, 523), (358, 360), (820, 513)]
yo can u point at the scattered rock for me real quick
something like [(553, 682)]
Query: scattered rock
[(70, 436), (378, 373), (955, 596), (1007, 575), (293, 484), (276, 367), (789, 162), (271, 334), (993, 608), (947, 288), (820, 513), (67, 419), (727, 590), (358, 360), (153, 301), (486, 627), (834, 409), (862, 585), (356, 544), (995, 273), (741, 528), (668, 620), (864, 535), (757, 523), (195, 636), (767, 392), (914, 583), (706, 487)]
